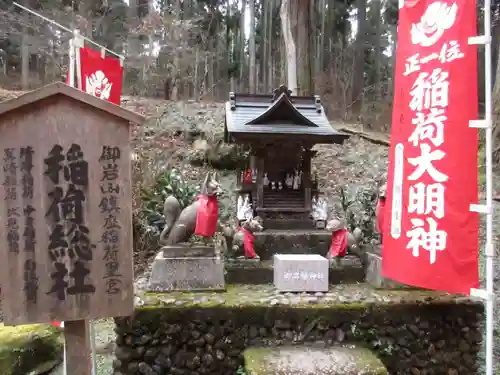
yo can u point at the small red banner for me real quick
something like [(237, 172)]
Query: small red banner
[(101, 77), (430, 237)]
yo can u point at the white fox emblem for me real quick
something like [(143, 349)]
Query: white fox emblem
[(437, 18), (98, 85)]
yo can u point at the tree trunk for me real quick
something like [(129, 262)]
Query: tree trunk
[(265, 44), (330, 33), (269, 58), (230, 35), (302, 31), (321, 39), (251, 49), (495, 97), (291, 53), (25, 59), (196, 86), (134, 45), (359, 59), (377, 19), (242, 46), (176, 74)]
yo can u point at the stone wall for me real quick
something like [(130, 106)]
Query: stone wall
[(424, 337)]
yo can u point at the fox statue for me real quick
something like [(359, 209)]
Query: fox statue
[(180, 225)]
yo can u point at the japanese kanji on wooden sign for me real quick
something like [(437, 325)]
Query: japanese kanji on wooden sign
[(66, 233)]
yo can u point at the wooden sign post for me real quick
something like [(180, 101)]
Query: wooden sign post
[(66, 205)]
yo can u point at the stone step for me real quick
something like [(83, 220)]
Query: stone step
[(287, 224), (297, 241), (282, 204), (309, 360), (346, 270)]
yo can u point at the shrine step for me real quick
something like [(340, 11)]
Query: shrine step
[(310, 360), (346, 270), (287, 224), (293, 241)]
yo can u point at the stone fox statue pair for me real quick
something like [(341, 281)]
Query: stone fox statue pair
[(180, 225)]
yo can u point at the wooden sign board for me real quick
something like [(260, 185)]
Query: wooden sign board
[(66, 207)]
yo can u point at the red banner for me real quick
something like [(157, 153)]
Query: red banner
[(430, 237), (101, 77)]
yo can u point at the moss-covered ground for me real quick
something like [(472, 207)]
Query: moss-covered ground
[(263, 295), (29, 349)]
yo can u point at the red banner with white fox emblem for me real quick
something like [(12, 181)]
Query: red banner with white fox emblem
[(101, 77), (430, 237)]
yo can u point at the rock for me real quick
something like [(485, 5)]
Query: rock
[(374, 273), (30, 349), (306, 360), (145, 369), (219, 156)]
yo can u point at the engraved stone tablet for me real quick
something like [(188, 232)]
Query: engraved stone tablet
[(300, 273)]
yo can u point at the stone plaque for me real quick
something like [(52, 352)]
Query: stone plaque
[(320, 224), (300, 273), (192, 272), (66, 233)]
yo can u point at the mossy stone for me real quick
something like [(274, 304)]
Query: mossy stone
[(32, 349), (308, 360)]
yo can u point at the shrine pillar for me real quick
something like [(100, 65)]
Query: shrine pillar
[(260, 178), (306, 170)]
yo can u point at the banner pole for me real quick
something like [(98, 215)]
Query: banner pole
[(77, 44), (489, 248), (92, 347), (65, 371), (71, 69)]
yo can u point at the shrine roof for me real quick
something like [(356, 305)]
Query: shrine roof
[(280, 115), (61, 89)]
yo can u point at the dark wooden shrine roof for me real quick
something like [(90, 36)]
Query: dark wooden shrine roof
[(253, 117)]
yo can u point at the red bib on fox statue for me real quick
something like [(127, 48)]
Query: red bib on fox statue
[(207, 216), (248, 240), (338, 246)]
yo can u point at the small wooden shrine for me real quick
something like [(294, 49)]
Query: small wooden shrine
[(280, 131)]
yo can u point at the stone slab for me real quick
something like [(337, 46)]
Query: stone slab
[(186, 251), (186, 274), (300, 273), (374, 276), (306, 360)]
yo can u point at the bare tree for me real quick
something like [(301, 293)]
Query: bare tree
[(251, 48), (291, 54)]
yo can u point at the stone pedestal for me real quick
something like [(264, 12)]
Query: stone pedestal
[(374, 273), (183, 268), (300, 273)]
